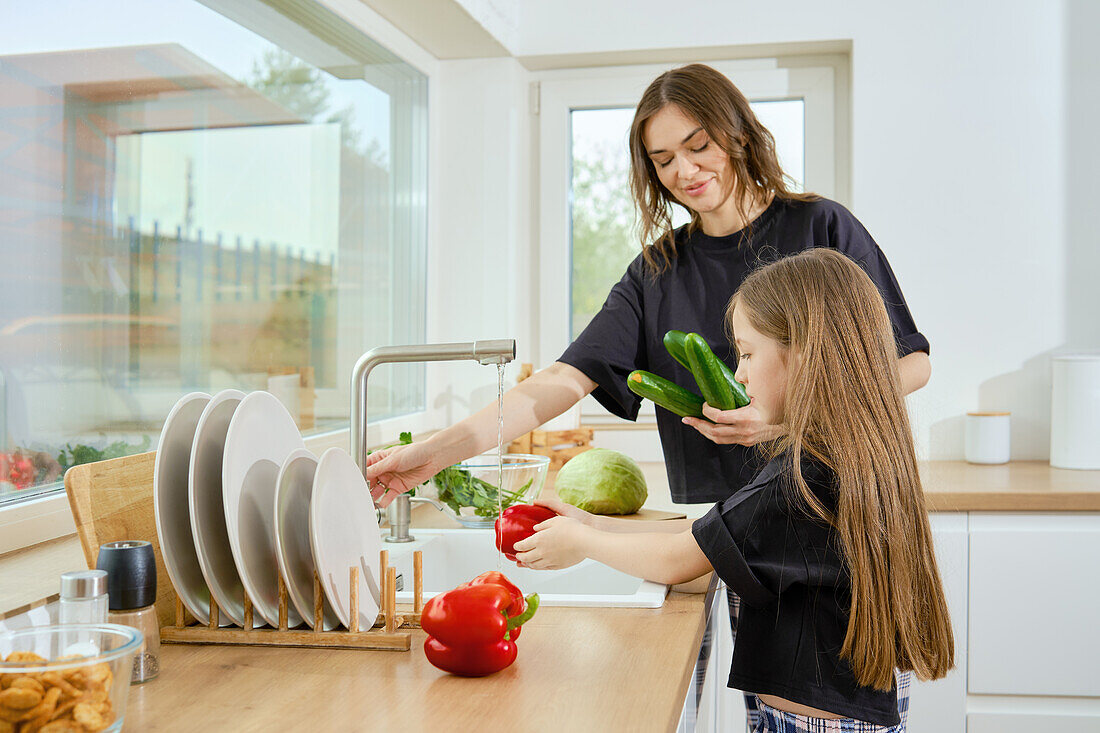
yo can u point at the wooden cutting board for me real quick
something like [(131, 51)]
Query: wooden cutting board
[(646, 515), (652, 514), (112, 501)]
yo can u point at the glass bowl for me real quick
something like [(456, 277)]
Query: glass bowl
[(89, 665), (469, 489)]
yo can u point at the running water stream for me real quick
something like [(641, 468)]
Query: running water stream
[(500, 452)]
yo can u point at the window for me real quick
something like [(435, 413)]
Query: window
[(194, 199), (587, 222)]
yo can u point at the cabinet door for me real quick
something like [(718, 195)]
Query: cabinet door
[(940, 706), (1034, 595)]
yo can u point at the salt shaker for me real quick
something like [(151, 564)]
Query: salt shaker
[(132, 587), (83, 597)]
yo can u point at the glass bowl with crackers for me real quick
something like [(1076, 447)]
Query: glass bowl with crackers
[(66, 678)]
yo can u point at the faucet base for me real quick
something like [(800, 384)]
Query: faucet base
[(406, 538)]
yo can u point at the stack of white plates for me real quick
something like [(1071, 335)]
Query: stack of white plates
[(240, 502)]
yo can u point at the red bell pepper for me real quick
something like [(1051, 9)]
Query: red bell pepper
[(517, 523), (472, 629)]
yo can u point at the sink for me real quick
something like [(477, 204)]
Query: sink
[(454, 556)]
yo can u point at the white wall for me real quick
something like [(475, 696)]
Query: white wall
[(479, 258), (973, 150), (959, 171)]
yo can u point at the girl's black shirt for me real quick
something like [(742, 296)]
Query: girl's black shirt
[(628, 332), (787, 566)]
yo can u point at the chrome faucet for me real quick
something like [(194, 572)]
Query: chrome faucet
[(493, 351)]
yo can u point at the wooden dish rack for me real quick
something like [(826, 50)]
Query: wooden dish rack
[(112, 500), (386, 634)]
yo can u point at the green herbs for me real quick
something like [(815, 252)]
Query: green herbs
[(458, 488), (78, 454)]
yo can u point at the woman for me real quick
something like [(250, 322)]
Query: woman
[(696, 143)]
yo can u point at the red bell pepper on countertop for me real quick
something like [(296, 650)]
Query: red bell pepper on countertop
[(517, 523), (472, 629)]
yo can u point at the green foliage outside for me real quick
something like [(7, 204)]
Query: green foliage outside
[(604, 240)]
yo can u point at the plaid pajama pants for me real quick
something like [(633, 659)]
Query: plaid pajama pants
[(761, 718)]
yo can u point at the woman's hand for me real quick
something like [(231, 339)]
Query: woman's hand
[(398, 469), (557, 543), (742, 426), (566, 510)]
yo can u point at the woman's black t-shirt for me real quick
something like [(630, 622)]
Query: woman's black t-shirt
[(628, 332), (795, 591)]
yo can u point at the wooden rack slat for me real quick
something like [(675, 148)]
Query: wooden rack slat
[(389, 632)]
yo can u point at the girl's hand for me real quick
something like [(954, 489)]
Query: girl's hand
[(398, 469), (566, 510), (557, 543), (742, 426)]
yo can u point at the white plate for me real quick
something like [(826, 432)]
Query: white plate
[(261, 435), (343, 531), (170, 504), (292, 496), (204, 493)]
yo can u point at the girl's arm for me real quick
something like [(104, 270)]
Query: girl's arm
[(658, 556)]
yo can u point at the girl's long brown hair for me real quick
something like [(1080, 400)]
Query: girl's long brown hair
[(844, 407), (724, 113)]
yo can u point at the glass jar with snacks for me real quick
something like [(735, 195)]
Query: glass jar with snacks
[(44, 689)]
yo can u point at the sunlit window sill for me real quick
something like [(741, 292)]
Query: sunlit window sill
[(46, 517)]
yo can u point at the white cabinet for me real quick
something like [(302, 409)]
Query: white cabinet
[(1023, 591), (1034, 600), (940, 706)]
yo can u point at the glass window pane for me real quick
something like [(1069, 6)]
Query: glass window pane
[(197, 204), (604, 238)]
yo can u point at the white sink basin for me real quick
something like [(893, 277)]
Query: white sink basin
[(454, 556)]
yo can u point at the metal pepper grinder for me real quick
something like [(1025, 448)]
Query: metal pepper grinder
[(132, 594)]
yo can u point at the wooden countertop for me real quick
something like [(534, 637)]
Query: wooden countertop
[(1018, 486), (578, 669), (641, 684)]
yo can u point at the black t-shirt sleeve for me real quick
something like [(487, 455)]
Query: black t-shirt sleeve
[(753, 545), (613, 345), (849, 236)]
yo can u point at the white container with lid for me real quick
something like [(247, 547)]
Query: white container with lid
[(1075, 411), (988, 437)]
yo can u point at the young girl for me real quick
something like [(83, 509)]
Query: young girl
[(829, 546)]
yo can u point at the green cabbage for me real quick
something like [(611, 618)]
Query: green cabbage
[(602, 481)]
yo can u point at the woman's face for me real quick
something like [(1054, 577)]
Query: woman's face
[(688, 163), (761, 367)]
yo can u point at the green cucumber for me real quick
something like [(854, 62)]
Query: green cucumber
[(714, 378), (668, 395), (674, 344)]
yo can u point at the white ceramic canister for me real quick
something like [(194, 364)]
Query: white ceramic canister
[(1075, 411), (988, 437)]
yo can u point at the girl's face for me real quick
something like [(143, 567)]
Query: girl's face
[(761, 367), (688, 163)]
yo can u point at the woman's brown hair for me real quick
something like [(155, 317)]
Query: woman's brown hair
[(844, 407), (724, 113)]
